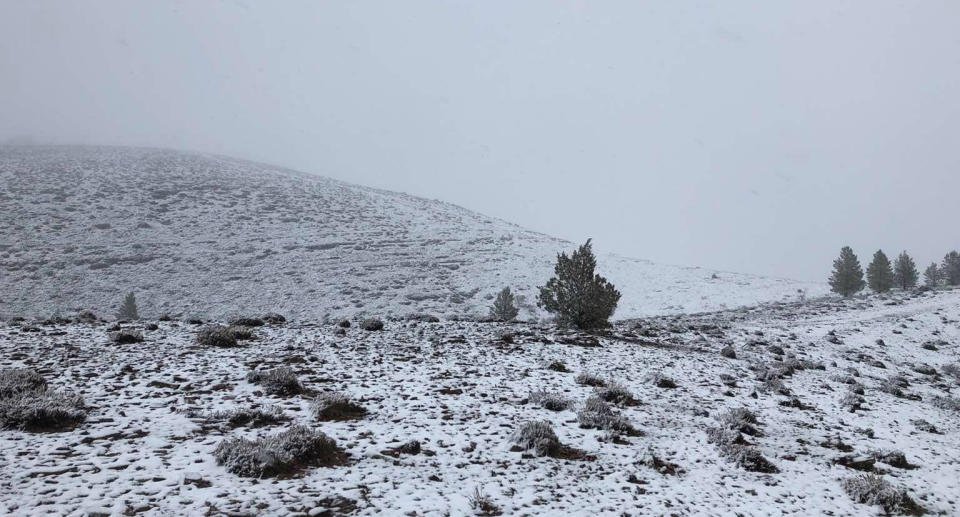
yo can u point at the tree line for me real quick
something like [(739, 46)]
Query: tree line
[(847, 278)]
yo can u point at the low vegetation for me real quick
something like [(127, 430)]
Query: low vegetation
[(279, 454)]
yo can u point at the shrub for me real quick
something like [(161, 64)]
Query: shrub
[(126, 336), (277, 381), (875, 491), (589, 379), (371, 324), (274, 319), (953, 370), (504, 307), (597, 414), (216, 336), (576, 295), (616, 393), (246, 322), (240, 333), (14, 381), (254, 417), (539, 437), (662, 381), (948, 403), (550, 401), (41, 410), (558, 366), (281, 453), (483, 504), (336, 406), (741, 420)]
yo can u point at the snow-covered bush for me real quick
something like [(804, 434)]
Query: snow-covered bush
[(589, 379), (277, 381), (539, 437), (371, 324), (41, 410), (598, 414), (126, 336), (14, 381), (274, 319), (874, 490), (216, 336), (616, 393), (551, 401), (246, 322), (336, 406), (281, 453), (252, 417)]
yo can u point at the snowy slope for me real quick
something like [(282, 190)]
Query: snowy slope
[(210, 236), (462, 392)]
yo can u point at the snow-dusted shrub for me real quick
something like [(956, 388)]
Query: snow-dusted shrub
[(953, 370), (126, 336), (336, 406), (371, 324), (482, 504), (252, 417), (14, 381), (539, 437), (589, 379), (551, 401), (616, 393), (596, 413), (851, 401), (661, 381), (750, 459), (246, 322), (728, 352), (216, 336), (274, 318), (277, 381), (873, 490), (742, 420), (948, 403), (41, 410), (240, 333), (281, 453), (557, 365)]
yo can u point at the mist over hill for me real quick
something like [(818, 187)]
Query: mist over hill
[(202, 235)]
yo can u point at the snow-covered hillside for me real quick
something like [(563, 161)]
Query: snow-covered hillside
[(211, 236), (777, 410)]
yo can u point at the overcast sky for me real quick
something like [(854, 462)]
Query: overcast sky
[(748, 136)]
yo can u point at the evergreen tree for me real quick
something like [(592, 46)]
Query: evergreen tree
[(905, 272), (931, 276), (879, 273), (950, 269), (505, 306), (576, 295), (847, 277), (128, 311)]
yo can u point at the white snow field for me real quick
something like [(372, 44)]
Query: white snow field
[(462, 390), (198, 235)]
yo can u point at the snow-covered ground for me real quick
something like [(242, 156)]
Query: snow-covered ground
[(461, 390), (203, 235)]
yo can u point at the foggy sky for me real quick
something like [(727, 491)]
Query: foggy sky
[(757, 137)]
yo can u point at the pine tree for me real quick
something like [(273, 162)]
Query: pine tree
[(847, 277), (931, 276), (905, 272), (576, 295), (505, 306), (879, 273), (128, 311), (950, 269)]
